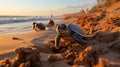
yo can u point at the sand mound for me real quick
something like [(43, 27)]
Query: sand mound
[(98, 20), (101, 43), (88, 57), (104, 26), (68, 51), (26, 57), (94, 23), (110, 40)]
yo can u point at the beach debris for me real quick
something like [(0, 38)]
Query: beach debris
[(16, 38), (26, 57), (38, 26), (70, 32)]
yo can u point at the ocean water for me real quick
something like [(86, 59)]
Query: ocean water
[(20, 24)]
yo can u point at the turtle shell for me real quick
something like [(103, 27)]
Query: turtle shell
[(77, 30)]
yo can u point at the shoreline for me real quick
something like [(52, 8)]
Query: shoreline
[(6, 41), (21, 28), (8, 44)]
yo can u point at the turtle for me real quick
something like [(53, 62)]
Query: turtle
[(38, 26), (72, 32), (50, 23)]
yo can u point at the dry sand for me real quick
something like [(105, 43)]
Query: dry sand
[(103, 49), (9, 43)]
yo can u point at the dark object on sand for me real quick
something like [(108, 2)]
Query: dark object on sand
[(70, 32), (38, 26), (16, 38), (50, 23)]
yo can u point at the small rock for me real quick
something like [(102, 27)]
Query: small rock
[(55, 57)]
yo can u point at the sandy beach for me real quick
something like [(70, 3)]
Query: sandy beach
[(41, 38), (36, 49), (9, 44), (23, 37)]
